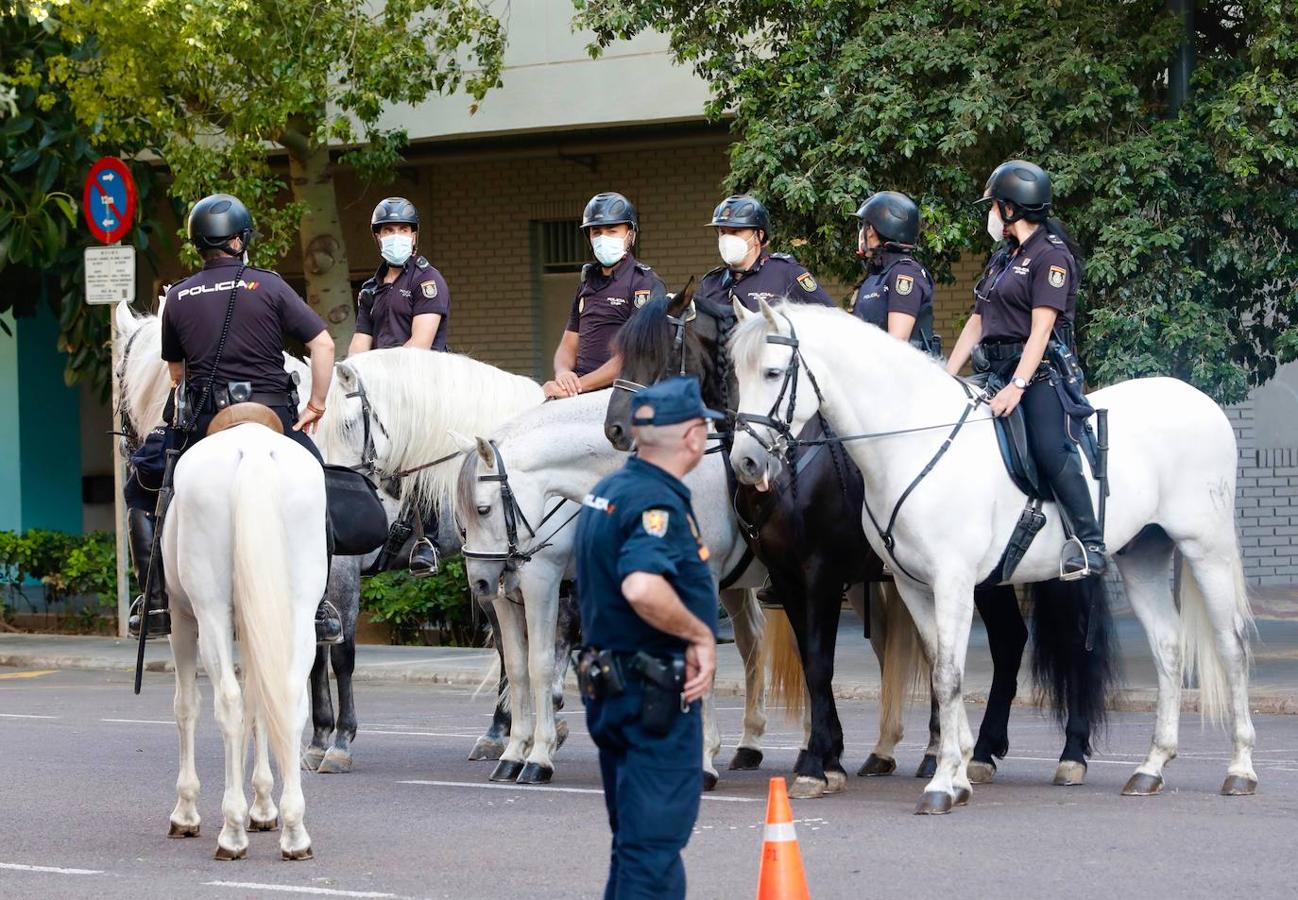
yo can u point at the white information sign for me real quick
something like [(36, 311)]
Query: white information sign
[(110, 274)]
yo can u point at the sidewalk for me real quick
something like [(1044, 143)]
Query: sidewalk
[(1274, 682)]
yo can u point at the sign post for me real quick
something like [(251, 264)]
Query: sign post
[(108, 205)]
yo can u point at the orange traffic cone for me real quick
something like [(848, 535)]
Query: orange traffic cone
[(781, 876)]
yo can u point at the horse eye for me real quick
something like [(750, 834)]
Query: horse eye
[(772, 374), (484, 510)]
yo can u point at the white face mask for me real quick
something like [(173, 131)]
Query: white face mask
[(733, 249), (609, 249), (995, 227), (396, 248)]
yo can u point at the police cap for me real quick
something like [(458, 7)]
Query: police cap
[(1022, 183), (394, 211), (895, 216), (673, 400), (741, 211), (216, 219), (610, 208)]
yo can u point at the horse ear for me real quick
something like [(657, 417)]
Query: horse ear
[(741, 312), (463, 442), (345, 374), (126, 320), (767, 313), (682, 300), (485, 452)]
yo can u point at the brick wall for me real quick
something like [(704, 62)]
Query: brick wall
[(1266, 498)]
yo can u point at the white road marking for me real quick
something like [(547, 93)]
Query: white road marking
[(294, 889), (20, 716), (140, 721), (449, 734), (51, 870), (530, 788)]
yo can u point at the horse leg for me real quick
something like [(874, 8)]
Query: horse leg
[(184, 649), (322, 711), (294, 842), (711, 740), (1144, 566), (513, 645), (750, 625), (1007, 635), (824, 606), (492, 742), (567, 636), (262, 816), (810, 780), (338, 759), (216, 635), (882, 759), (542, 613)]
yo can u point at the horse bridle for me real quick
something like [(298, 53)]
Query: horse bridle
[(130, 437), (369, 464), (513, 554), (679, 324)]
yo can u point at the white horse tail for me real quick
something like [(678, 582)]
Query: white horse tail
[(263, 600), (1199, 653), (905, 670), (788, 683)]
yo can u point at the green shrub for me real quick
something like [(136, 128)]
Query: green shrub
[(66, 565), (410, 606)]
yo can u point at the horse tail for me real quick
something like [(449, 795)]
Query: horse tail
[(1199, 653), (263, 598), (1074, 680), (788, 683), (905, 669)]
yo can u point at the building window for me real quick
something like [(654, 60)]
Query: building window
[(563, 247)]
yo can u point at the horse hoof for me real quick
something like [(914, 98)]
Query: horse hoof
[(312, 757), (292, 855), (1238, 786), (927, 766), (709, 782), (962, 796), (535, 773), (746, 759), (176, 830), (876, 766), (1142, 785), (1070, 772), (934, 803), (225, 855), (507, 770), (805, 787), (487, 748), (981, 772), (335, 762), (267, 825), (835, 781), (560, 734)]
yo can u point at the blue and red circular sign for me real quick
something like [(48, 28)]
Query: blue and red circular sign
[(108, 201)]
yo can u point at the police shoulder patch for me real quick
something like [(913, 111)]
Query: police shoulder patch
[(905, 284), (429, 288), (807, 282), (654, 522), (1058, 275), (641, 298)]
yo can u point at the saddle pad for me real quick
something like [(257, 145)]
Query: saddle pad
[(357, 520)]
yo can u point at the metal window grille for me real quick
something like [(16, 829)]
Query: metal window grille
[(563, 246)]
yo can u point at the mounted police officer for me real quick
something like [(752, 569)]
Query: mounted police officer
[(1022, 331), (649, 614), (223, 332), (406, 303), (611, 290), (897, 293), (750, 273)]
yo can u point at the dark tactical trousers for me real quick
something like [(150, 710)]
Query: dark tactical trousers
[(651, 788)]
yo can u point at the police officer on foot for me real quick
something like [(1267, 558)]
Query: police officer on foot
[(611, 290), (649, 614), (1022, 330), (223, 332), (405, 304), (897, 293), (750, 273)]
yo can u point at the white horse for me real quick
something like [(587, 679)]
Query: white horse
[(231, 558), (558, 452), (1172, 471)]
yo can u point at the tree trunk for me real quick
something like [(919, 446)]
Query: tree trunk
[(324, 255)]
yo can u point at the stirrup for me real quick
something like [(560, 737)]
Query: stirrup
[(159, 620), (328, 624), (423, 570), (1085, 571)]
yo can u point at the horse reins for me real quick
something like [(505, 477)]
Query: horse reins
[(513, 513), (369, 453)]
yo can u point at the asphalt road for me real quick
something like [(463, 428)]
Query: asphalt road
[(88, 774)]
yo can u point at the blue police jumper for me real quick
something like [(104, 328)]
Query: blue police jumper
[(895, 282), (772, 278), (639, 520)]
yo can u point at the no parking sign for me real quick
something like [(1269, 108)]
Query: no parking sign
[(108, 201)]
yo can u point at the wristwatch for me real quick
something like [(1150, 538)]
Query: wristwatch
[(1019, 383)]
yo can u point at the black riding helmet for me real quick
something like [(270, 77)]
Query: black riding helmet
[(610, 208), (895, 217), (742, 211), (1022, 183), (216, 219), (394, 211)]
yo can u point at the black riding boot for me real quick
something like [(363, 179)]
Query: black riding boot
[(139, 530), (423, 555), (1084, 555)]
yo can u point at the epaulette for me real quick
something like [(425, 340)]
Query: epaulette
[(421, 263), (783, 256), (643, 268), (586, 270), (717, 271)]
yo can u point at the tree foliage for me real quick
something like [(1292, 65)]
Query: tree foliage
[(1190, 220)]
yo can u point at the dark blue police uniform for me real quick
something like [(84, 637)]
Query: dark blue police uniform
[(603, 305), (640, 520), (897, 283), (386, 312), (774, 277)]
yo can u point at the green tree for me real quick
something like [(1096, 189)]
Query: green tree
[(1190, 220), (227, 92), (43, 162)]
